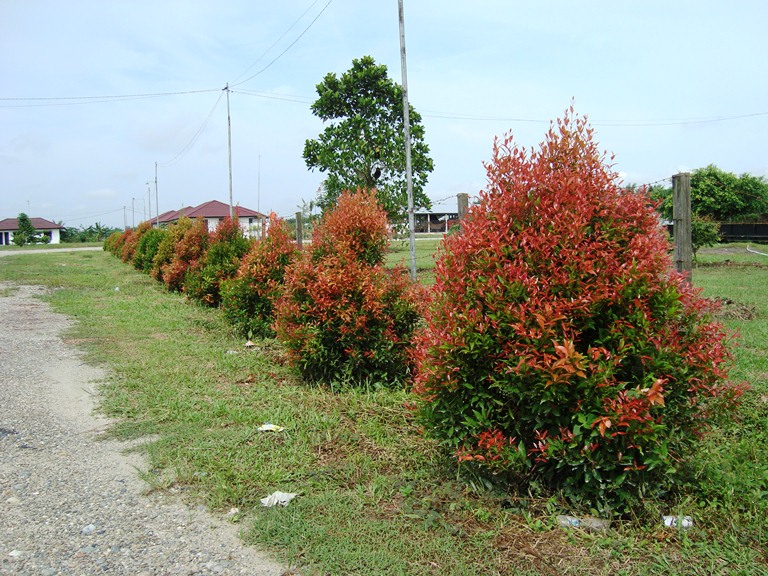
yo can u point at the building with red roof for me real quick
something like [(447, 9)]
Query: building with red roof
[(47, 228)]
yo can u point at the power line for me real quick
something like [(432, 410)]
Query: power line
[(70, 100), (288, 48), (278, 40), (194, 138), (275, 96)]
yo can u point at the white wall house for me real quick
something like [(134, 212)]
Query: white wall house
[(213, 212), (43, 226)]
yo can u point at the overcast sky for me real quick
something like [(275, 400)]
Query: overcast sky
[(668, 86)]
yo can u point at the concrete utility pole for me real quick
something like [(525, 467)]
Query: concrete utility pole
[(229, 152), (157, 203), (681, 215), (407, 128)]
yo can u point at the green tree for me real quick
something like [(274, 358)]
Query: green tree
[(363, 145), (721, 196), (26, 234)]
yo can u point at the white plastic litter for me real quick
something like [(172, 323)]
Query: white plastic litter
[(684, 522), (588, 523), (270, 428), (282, 498), (249, 344)]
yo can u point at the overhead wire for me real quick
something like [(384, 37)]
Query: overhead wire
[(29, 101), (275, 43), (287, 48), (183, 152)]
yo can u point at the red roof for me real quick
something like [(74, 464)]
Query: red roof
[(210, 209), (12, 224)]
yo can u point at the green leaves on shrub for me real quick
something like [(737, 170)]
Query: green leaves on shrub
[(226, 247), (189, 248), (248, 299), (561, 349)]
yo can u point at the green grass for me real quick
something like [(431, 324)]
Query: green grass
[(374, 496), (61, 246)]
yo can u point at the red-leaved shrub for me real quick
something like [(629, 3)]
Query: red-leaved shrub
[(226, 247), (248, 299), (186, 253), (561, 348), (165, 250), (343, 316)]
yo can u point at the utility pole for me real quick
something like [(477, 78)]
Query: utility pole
[(157, 203), (133, 212), (258, 187), (407, 128), (149, 202), (229, 152)]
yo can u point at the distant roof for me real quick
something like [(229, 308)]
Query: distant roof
[(11, 224), (210, 209)]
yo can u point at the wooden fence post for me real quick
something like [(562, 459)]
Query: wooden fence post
[(299, 230), (681, 215), (463, 199)]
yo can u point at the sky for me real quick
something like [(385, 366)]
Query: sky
[(94, 93)]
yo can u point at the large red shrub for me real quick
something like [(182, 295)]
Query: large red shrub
[(561, 348), (226, 247), (187, 252), (343, 316), (248, 299)]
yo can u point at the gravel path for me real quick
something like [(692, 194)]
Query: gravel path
[(71, 504)]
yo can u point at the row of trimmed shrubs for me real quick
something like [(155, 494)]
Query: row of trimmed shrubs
[(342, 315), (556, 349)]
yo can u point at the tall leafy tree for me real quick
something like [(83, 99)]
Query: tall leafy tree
[(26, 234), (363, 145)]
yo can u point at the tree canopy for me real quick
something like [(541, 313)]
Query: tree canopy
[(26, 234), (721, 196), (363, 145)]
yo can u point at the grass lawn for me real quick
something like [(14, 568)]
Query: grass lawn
[(374, 496)]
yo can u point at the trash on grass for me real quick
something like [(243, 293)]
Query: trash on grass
[(588, 523), (231, 351), (276, 498), (270, 428), (684, 522), (249, 344)]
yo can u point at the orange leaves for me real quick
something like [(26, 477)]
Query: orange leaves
[(655, 393), (343, 315), (603, 424)]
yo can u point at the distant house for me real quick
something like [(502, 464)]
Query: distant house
[(214, 212), (43, 226), (435, 221)]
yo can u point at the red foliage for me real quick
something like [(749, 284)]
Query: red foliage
[(557, 320), (188, 250), (356, 225), (248, 299), (343, 316)]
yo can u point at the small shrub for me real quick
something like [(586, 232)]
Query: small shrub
[(561, 349), (220, 261), (248, 299), (189, 248), (146, 249), (132, 241), (343, 316), (704, 232), (114, 243), (165, 250)]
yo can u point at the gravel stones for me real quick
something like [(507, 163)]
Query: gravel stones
[(70, 503)]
